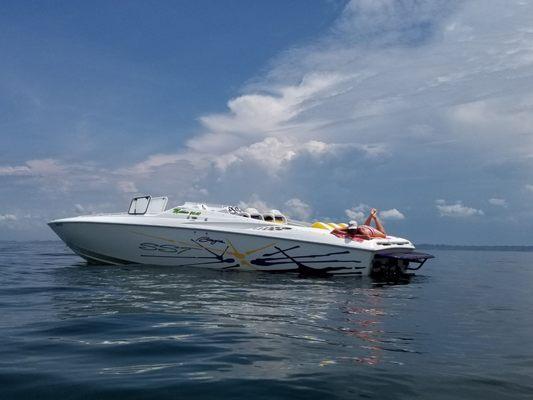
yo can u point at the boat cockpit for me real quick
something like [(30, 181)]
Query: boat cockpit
[(142, 205)]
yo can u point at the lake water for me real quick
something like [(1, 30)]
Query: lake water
[(462, 328)]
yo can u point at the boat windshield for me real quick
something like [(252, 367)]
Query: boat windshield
[(147, 205)]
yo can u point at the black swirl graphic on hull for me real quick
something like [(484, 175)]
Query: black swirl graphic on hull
[(303, 261)]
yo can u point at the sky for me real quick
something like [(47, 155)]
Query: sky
[(420, 108)]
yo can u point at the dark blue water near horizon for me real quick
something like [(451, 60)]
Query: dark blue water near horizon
[(462, 328)]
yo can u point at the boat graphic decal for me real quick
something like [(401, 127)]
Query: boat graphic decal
[(202, 252), (268, 260), (242, 256)]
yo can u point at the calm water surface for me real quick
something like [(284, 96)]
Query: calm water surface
[(462, 328)]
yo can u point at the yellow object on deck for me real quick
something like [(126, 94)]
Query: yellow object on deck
[(328, 225), (321, 225)]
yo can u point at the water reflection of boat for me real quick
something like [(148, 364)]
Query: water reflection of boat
[(344, 321), (225, 237)]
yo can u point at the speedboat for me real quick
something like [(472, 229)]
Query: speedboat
[(229, 238)]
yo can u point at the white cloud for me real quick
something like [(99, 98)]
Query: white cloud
[(298, 208), (154, 162), (8, 170), (355, 215), (41, 167), (358, 212), (254, 116), (273, 154), (7, 217), (45, 167), (270, 154), (529, 187), (255, 202), (456, 210), (498, 202), (392, 214)]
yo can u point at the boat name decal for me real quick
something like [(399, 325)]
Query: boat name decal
[(178, 210)]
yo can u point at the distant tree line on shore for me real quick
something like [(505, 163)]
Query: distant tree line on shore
[(426, 246)]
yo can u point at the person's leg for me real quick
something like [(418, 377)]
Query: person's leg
[(379, 225), (369, 219)]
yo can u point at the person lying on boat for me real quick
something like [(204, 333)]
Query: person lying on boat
[(365, 231)]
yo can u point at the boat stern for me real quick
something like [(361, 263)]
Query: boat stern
[(395, 264), (395, 257)]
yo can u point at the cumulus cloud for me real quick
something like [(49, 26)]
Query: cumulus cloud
[(273, 154), (358, 212), (298, 208), (254, 116), (358, 216), (270, 154), (456, 210), (498, 202), (392, 214)]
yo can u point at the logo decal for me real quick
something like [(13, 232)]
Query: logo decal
[(207, 239)]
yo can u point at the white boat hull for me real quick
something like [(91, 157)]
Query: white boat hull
[(208, 248)]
